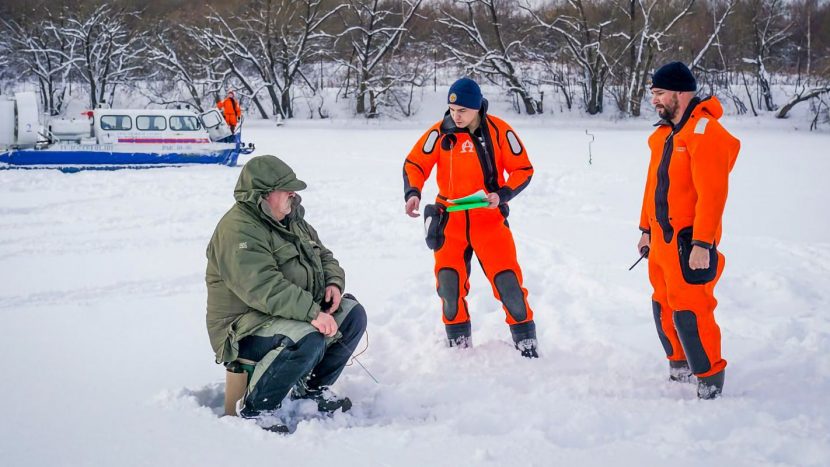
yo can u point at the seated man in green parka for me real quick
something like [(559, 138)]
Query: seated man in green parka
[(275, 295)]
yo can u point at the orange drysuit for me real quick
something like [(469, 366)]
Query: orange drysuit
[(683, 204), (230, 108), (466, 164)]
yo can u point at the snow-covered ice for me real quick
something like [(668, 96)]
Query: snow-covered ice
[(107, 359)]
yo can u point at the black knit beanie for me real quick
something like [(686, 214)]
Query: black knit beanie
[(674, 76)]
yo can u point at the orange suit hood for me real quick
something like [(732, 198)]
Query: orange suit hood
[(688, 175)]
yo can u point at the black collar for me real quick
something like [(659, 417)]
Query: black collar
[(448, 125), (688, 113)]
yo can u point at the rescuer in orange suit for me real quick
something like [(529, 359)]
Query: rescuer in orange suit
[(685, 195), (230, 109), (472, 151)]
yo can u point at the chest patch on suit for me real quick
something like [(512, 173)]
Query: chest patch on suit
[(515, 145), (700, 128), (429, 144), (467, 147)]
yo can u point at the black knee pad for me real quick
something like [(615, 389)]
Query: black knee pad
[(660, 333), (686, 324), (448, 291), (511, 294)]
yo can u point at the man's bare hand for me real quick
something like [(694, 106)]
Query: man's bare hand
[(333, 296), (412, 205), (699, 258), (493, 198), (325, 324), (645, 240)]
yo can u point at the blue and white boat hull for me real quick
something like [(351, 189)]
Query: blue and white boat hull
[(74, 156)]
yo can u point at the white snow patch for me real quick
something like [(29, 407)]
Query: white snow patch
[(102, 302)]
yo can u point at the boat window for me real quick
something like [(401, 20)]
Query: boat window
[(151, 123), (212, 119), (116, 122), (184, 123)]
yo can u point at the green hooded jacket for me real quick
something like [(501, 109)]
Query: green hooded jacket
[(259, 269)]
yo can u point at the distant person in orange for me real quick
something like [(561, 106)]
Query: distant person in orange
[(685, 194), (230, 108), (472, 151)]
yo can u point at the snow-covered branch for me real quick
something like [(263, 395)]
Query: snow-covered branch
[(718, 25), (374, 32), (110, 52), (487, 51), (42, 50)]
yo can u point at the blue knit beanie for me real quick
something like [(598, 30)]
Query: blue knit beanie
[(674, 76), (466, 93)]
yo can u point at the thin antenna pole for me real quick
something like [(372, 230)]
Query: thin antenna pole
[(590, 155)]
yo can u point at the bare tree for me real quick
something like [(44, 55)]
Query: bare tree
[(374, 32), (647, 41), (43, 51), (274, 39), (384, 53), (282, 36), (228, 46), (292, 42), (801, 38), (489, 52), (770, 26), (110, 51), (589, 43), (5, 55), (409, 78), (180, 61), (804, 94), (554, 71), (718, 25)]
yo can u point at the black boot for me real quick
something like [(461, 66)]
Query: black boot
[(263, 420), (710, 387), (277, 428), (528, 348), (524, 339), (462, 342), (460, 335), (326, 400), (679, 371)]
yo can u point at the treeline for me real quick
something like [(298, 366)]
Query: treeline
[(597, 55)]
